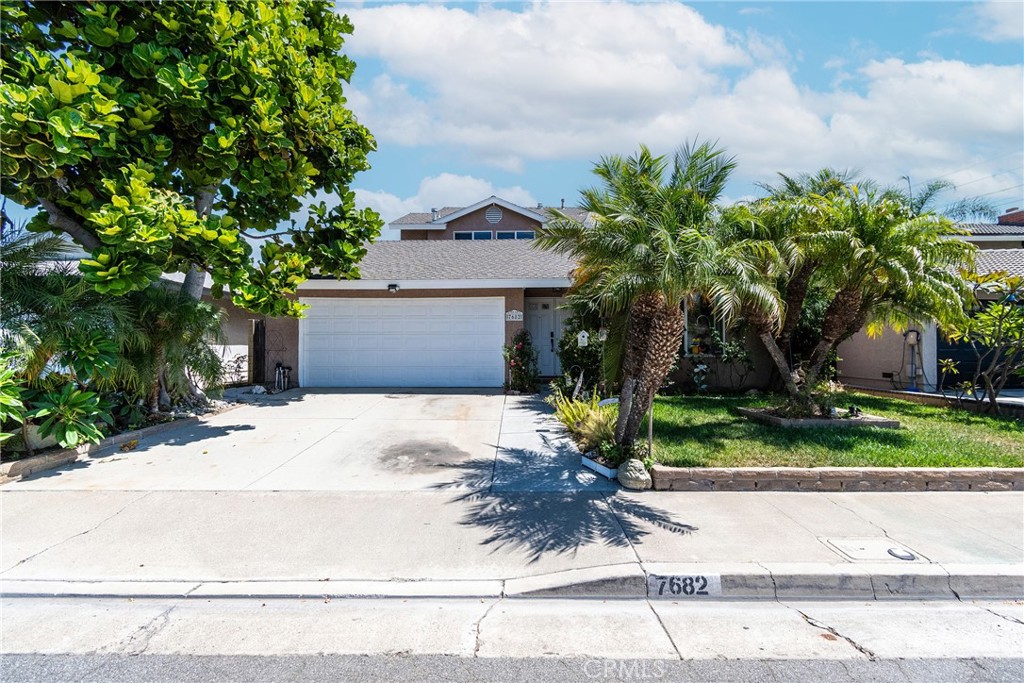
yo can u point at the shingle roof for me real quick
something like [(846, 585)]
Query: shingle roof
[(462, 260), (992, 229), (420, 218), (991, 260)]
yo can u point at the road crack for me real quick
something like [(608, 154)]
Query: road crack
[(479, 622), (825, 627)]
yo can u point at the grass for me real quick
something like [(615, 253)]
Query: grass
[(706, 431)]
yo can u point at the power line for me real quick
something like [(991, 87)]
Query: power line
[(978, 180), (984, 161), (1005, 189)]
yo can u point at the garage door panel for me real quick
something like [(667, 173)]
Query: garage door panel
[(403, 342)]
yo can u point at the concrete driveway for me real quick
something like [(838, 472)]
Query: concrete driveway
[(347, 440)]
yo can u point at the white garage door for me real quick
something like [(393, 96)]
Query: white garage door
[(402, 343)]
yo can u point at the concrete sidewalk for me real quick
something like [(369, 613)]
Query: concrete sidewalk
[(473, 542)]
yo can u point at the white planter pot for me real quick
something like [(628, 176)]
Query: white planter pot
[(610, 473)]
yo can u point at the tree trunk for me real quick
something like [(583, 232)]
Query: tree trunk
[(153, 400), (845, 309), (195, 278), (652, 343), (65, 223), (789, 378), (796, 293)]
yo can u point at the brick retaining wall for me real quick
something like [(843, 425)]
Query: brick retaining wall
[(836, 479)]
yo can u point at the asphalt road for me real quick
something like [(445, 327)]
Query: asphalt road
[(428, 668)]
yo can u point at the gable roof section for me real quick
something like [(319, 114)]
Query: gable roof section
[(425, 221), (456, 264)]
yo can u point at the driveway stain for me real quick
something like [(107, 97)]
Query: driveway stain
[(420, 455)]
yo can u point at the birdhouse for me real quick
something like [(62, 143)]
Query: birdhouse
[(583, 338)]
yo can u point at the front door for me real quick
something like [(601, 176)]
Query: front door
[(544, 321)]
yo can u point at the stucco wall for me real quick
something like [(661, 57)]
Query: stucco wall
[(721, 376), (863, 359), (283, 333)]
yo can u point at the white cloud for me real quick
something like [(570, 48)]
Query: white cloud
[(445, 189), (998, 21), (578, 80), (542, 83)]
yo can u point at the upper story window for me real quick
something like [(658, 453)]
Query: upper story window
[(515, 234), (473, 235)]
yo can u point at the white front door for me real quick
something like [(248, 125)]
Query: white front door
[(396, 342), (544, 321)]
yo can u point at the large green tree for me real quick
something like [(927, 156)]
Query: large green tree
[(652, 241), (171, 136)]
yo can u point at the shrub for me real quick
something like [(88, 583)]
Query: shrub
[(576, 358), (597, 427), (521, 360)]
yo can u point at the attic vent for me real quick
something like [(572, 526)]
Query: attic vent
[(493, 215)]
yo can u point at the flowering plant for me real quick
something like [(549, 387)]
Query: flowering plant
[(521, 361)]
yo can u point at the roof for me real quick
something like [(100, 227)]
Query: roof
[(448, 213), (991, 260), (992, 228), (462, 260)]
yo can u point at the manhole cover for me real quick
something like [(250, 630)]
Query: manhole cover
[(873, 549)]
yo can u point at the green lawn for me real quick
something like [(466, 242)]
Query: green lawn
[(706, 431)]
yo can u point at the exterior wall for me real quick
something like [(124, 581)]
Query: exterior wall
[(477, 220), (863, 359), (283, 333), (720, 375), (237, 330)]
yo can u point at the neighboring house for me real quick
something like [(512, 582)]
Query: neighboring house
[(885, 362), (432, 309)]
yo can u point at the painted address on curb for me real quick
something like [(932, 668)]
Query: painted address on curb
[(682, 586)]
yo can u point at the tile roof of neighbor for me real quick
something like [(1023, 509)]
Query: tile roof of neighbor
[(991, 260), (462, 260), (992, 229), (421, 218)]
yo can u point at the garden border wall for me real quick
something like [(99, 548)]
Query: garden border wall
[(837, 478)]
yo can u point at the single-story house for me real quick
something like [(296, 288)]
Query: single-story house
[(432, 309), (885, 362)]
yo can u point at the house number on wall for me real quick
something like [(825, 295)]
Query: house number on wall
[(513, 316)]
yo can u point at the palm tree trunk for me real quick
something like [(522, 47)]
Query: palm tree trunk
[(844, 310), (796, 293), (154, 389), (652, 343), (789, 378)]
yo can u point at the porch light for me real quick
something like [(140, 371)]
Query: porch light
[(393, 288)]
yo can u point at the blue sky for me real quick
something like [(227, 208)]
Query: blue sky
[(518, 99), (471, 99)]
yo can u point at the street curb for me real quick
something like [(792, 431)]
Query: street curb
[(739, 581), (19, 469)]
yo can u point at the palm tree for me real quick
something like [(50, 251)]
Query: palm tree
[(789, 218), (893, 265), (650, 242)]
